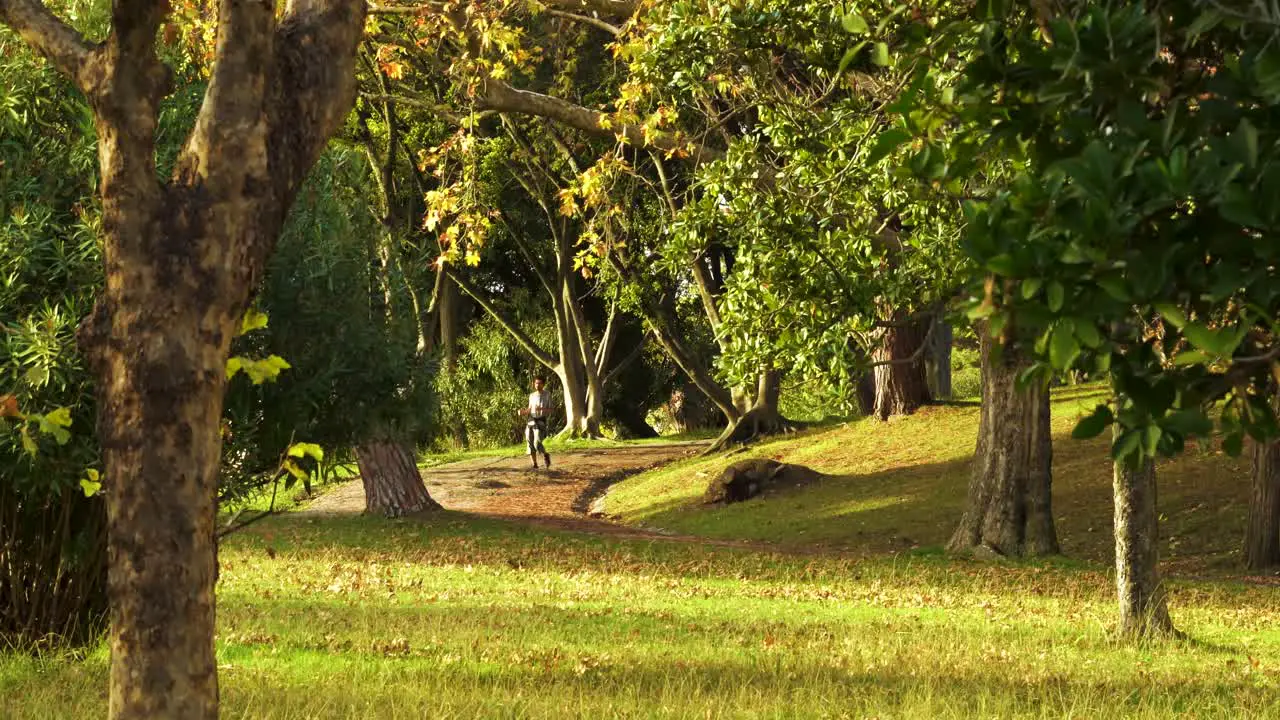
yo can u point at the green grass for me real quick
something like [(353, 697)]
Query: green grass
[(463, 617), (459, 617), (901, 485)]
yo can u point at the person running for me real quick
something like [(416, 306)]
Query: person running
[(534, 432)]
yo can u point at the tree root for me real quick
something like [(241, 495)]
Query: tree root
[(756, 423)]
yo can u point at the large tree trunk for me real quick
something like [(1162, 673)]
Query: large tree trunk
[(1143, 610), (181, 260), (762, 418), (901, 385), (392, 484), (1262, 537), (1009, 509)]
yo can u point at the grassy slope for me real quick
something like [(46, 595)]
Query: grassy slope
[(460, 617), (902, 484)]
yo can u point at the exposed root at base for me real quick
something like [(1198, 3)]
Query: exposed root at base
[(757, 423)]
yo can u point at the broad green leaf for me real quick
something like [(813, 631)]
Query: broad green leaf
[(234, 365), (1055, 295), (1188, 422), (880, 55), (1030, 287), (1115, 287), (28, 443), (1063, 348), (1093, 425), (1191, 357), (292, 468), (1001, 264), (1172, 313), (1127, 444), (1151, 439), (60, 417), (1233, 443), (854, 24), (1088, 334), (886, 143)]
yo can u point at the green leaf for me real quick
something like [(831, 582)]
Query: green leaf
[(1190, 357), (1248, 135), (1233, 443), (37, 376), (1115, 287), (1088, 334), (28, 443), (880, 55), (1055, 294), (304, 449), (61, 417), (886, 143), (1030, 287), (1063, 348), (854, 24), (1151, 439), (1093, 425), (1188, 422), (1172, 313), (234, 365), (1001, 264), (1127, 444)]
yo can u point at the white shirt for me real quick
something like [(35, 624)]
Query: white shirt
[(539, 404)]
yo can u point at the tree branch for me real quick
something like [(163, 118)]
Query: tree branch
[(618, 9), (69, 52), (516, 333), (504, 98), (592, 21)]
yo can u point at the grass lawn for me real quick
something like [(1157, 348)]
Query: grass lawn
[(464, 617)]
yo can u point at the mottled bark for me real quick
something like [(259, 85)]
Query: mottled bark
[(901, 385), (1262, 536), (393, 486), (181, 260), (1140, 592), (1009, 509)]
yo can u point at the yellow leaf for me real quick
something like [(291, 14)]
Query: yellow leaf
[(304, 449), (253, 320)]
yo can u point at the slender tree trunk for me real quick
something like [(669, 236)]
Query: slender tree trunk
[(901, 388), (1143, 609), (393, 486), (449, 312), (763, 417), (940, 362), (1262, 537), (698, 374), (594, 400), (1009, 509)]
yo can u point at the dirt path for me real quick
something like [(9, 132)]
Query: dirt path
[(508, 487)]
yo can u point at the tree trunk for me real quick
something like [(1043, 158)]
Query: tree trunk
[(763, 417), (181, 259), (939, 364), (1143, 610), (392, 484), (1009, 508), (901, 387), (1262, 538)]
